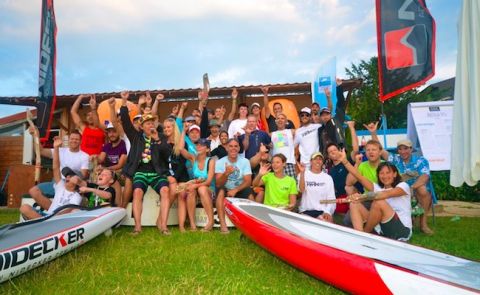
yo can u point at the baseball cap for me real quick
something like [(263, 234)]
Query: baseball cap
[(137, 117), (405, 142), (203, 141), (325, 110), (189, 118), (314, 155), (147, 117), (110, 126), (67, 171), (194, 127), (255, 104), (306, 110)]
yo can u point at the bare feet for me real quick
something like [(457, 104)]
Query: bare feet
[(426, 230)]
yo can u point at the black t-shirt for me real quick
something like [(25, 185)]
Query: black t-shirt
[(220, 152), (91, 196), (339, 175), (272, 125)]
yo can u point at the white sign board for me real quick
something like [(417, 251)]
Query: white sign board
[(429, 127)]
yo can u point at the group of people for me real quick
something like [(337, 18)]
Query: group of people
[(209, 155)]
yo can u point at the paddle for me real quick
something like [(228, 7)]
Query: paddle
[(369, 196), (7, 227), (36, 141)]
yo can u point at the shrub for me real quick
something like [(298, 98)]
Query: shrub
[(444, 191)]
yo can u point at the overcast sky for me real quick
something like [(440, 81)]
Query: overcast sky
[(111, 45)]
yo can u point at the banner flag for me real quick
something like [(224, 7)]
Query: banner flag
[(325, 77), (406, 45), (46, 77)]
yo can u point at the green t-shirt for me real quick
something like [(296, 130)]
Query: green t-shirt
[(278, 190), (368, 172)]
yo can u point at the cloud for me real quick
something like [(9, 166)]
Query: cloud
[(228, 76)]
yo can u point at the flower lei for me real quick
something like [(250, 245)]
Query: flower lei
[(147, 152)]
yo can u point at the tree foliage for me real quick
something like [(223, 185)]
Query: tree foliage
[(365, 106)]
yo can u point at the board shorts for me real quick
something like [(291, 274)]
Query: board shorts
[(312, 213), (243, 194), (143, 180), (394, 229), (47, 189)]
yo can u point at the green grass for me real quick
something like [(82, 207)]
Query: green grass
[(197, 263)]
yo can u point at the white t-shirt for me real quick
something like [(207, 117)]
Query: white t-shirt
[(77, 161), (127, 143), (307, 139), (282, 141), (214, 143), (401, 205), (63, 197), (318, 186), (236, 125)]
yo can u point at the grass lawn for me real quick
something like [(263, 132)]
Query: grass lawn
[(197, 263)]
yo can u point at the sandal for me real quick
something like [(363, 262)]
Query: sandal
[(135, 232), (165, 232), (224, 231)]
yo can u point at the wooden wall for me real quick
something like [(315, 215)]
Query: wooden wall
[(11, 153)]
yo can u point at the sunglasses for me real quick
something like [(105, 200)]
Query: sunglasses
[(304, 115)]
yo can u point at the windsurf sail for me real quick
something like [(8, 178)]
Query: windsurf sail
[(46, 78), (406, 45)]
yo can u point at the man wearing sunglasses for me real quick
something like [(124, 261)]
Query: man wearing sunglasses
[(306, 137)]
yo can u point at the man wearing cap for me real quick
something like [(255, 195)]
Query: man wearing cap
[(114, 153), (406, 163), (315, 186), (332, 127), (277, 109), (214, 136), (306, 137), (147, 164), (233, 177), (66, 191)]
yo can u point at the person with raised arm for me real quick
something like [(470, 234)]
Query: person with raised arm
[(282, 143), (236, 127), (277, 109), (280, 189), (204, 182), (178, 173), (66, 190), (306, 137), (315, 186), (233, 177), (252, 138), (390, 208), (93, 136), (148, 165)]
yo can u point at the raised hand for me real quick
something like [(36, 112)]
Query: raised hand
[(57, 142), (358, 158), (265, 90), (202, 95), (160, 96), (339, 81), (184, 105), (234, 93), (327, 91), (371, 127), (223, 110), (301, 167), (93, 102), (111, 101), (148, 98), (124, 95), (175, 110), (350, 124), (342, 156), (264, 168), (142, 99)]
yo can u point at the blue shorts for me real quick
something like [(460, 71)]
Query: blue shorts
[(47, 189)]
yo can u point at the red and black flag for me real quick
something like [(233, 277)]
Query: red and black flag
[(46, 77), (406, 45)]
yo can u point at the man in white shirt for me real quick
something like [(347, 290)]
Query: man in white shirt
[(315, 186), (237, 126), (71, 157), (306, 137)]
